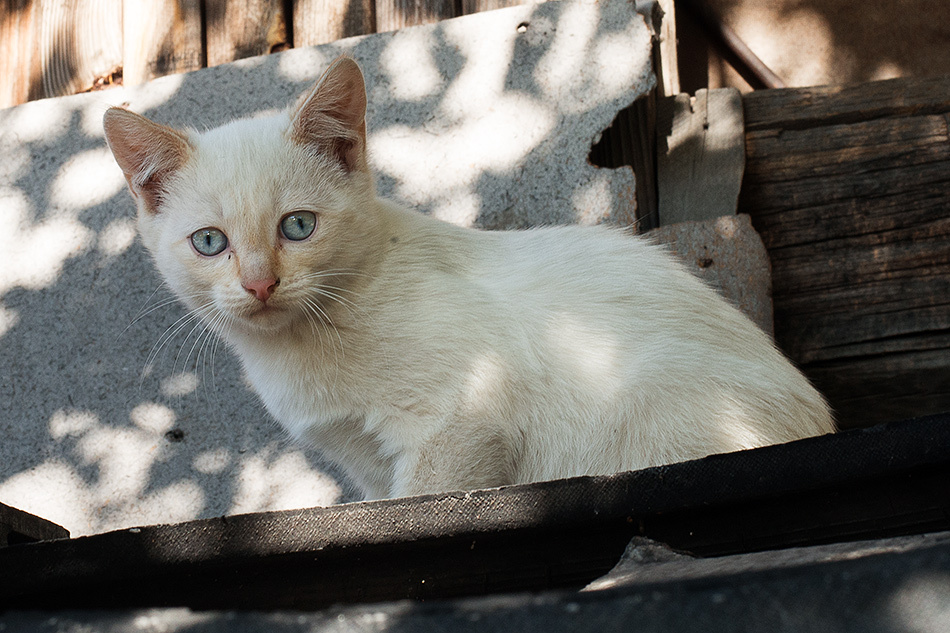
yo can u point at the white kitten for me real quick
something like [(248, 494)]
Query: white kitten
[(424, 356)]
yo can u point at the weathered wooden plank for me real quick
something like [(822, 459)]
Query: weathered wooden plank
[(236, 29), (396, 14), (161, 37), (77, 42), (16, 35), (667, 66), (474, 6), (321, 21), (850, 190), (700, 155), (821, 106), (17, 526)]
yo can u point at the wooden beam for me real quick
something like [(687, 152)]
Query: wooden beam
[(236, 29), (77, 42), (700, 155), (396, 14), (850, 190), (322, 21), (16, 33), (474, 6), (161, 37)]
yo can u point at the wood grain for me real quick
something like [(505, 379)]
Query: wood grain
[(322, 21), (474, 6), (700, 155), (16, 60), (236, 29), (850, 190), (396, 14), (161, 37), (77, 41)]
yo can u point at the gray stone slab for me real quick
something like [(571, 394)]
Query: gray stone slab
[(728, 254), (118, 411)]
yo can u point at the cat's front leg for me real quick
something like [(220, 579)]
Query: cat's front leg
[(456, 459)]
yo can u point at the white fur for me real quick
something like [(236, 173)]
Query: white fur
[(451, 358)]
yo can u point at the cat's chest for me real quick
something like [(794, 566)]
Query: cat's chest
[(296, 387)]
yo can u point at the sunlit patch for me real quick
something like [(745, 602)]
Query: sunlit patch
[(484, 377), (592, 200), (180, 501), (922, 604), (117, 454), (561, 70), (154, 93), (284, 483), (180, 384), (212, 462), (462, 208), (8, 320), (153, 417), (71, 188), (302, 64), (496, 141), (34, 254), (54, 491), (116, 237), (727, 226), (617, 67), (409, 63), (592, 352), (887, 70), (777, 37), (66, 423), (45, 120)]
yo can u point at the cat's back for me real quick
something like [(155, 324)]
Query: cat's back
[(601, 270)]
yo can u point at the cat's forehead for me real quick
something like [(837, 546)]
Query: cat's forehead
[(246, 171), (243, 138)]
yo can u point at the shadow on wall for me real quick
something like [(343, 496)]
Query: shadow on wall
[(484, 120), (816, 42)]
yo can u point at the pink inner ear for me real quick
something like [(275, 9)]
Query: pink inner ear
[(332, 114), (147, 153)]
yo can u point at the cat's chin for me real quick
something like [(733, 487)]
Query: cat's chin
[(265, 319)]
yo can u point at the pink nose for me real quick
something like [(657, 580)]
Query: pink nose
[(262, 289)]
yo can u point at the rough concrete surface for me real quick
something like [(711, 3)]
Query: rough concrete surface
[(114, 409), (728, 254)]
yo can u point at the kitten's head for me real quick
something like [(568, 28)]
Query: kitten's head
[(260, 223)]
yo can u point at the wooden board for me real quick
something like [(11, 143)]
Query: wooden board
[(850, 190), (18, 527), (161, 37), (75, 43), (236, 29), (554, 534), (16, 60), (396, 14), (322, 21), (700, 155)]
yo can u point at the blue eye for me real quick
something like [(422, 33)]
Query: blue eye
[(298, 225), (209, 241)]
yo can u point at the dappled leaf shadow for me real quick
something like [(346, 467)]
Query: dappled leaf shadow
[(98, 438)]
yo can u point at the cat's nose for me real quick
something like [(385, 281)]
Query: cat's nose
[(262, 289)]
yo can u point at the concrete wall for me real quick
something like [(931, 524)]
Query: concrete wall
[(114, 411)]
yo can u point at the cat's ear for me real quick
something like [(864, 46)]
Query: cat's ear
[(147, 153), (332, 115)]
